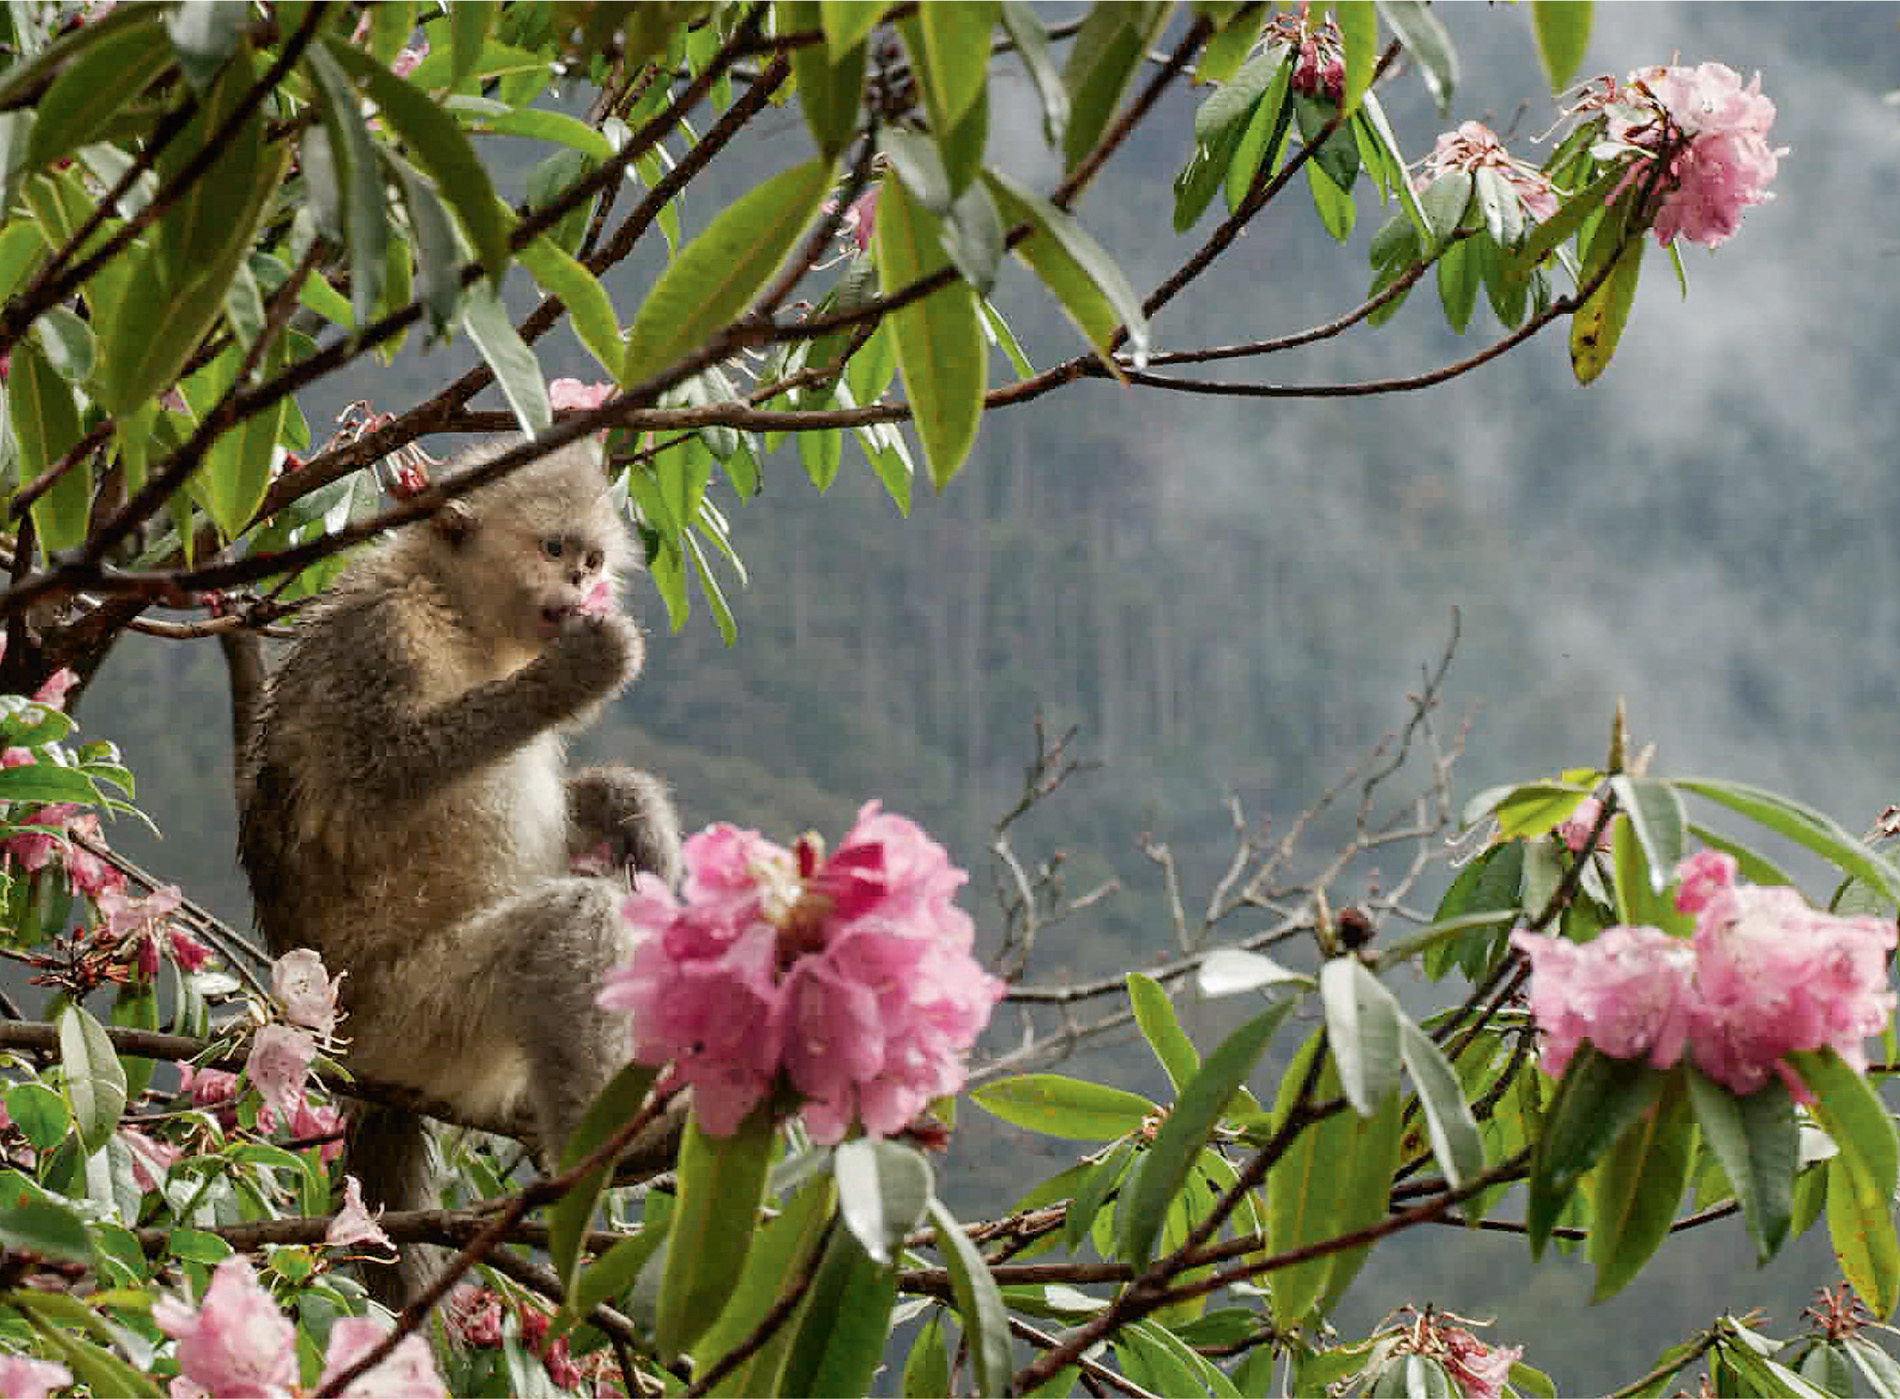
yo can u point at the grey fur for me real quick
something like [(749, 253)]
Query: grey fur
[(406, 811)]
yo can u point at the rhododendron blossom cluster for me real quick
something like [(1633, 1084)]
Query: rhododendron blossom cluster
[(847, 977), (1473, 147), (1712, 132), (1764, 975)]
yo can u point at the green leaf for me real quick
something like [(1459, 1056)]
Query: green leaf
[(828, 84), (1598, 323), (843, 1325), (774, 1264), (721, 1184), (1304, 1191), (714, 277), (95, 1080), (203, 38), (939, 338), (438, 255), (1860, 1179), (1756, 1139), (92, 1365), (1459, 278), (1656, 816), (591, 310), (510, 357), (93, 89), (1228, 970), (956, 44), (1107, 52), (365, 219), (1528, 809), (1057, 1106), (40, 1113), (846, 22), (1101, 1181), (1154, 1013), (46, 782), (441, 148), (45, 423), (1258, 145), (1026, 32), (979, 1304), (469, 23), (1598, 1097), (883, 1190), (1358, 22), (1426, 40), (1805, 826), (1563, 34), (1454, 1133), (1165, 1165), (568, 1219), (536, 125), (1875, 1365), (1079, 273), (1365, 1152), (40, 1226), (1637, 1187), (1362, 1032)]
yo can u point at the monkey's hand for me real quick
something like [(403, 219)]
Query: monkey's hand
[(589, 659), (630, 812)]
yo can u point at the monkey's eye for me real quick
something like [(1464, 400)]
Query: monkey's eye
[(553, 547), (595, 558)]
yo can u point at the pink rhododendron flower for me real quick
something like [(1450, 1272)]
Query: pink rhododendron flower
[(236, 1345), (404, 63), (1575, 831), (36, 852), (354, 1224), (1701, 877), (1473, 147), (860, 219), (1713, 132), (1478, 1370), (309, 1122), (572, 393), (848, 976), (280, 1057), (190, 954), (1624, 992), (1774, 975), (57, 686), (23, 1377), (305, 990), (475, 1314), (213, 1089), (408, 1372), (150, 1159)]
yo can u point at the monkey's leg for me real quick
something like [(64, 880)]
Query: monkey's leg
[(631, 812)]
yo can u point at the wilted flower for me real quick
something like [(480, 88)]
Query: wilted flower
[(408, 1372), (354, 1224), (1478, 1370), (280, 1057), (1774, 975), (151, 1159), (236, 1344), (1473, 147), (475, 1314), (849, 976), (23, 1377), (1713, 132), (1623, 992), (305, 990)]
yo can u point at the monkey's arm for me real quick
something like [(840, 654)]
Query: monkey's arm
[(630, 812), (407, 754)]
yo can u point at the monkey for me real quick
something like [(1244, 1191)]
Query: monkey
[(406, 810)]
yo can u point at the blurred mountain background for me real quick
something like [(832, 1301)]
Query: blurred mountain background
[(1233, 596)]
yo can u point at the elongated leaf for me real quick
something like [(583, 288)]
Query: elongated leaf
[(979, 1304), (828, 83), (1454, 1133), (557, 127), (40, 1226), (1637, 1187), (1228, 970), (1426, 40), (939, 338), (92, 1364), (846, 22), (45, 422), (883, 1190), (1102, 61), (1365, 1162), (775, 1262), (40, 1113), (46, 782), (95, 1080), (1154, 1013), (365, 219), (843, 1325), (606, 1277), (1303, 1195), (1358, 24), (1598, 1098), (96, 87), (590, 310), (516, 368), (1655, 814), (438, 255), (1362, 1032), (1101, 1181), (1879, 1369), (1563, 34), (1258, 145), (1598, 325), (469, 23), (1756, 1139), (570, 1216), (1076, 269), (1165, 1166), (1058, 1106), (1860, 1179), (956, 54), (1026, 32), (1805, 827), (716, 275), (722, 1181)]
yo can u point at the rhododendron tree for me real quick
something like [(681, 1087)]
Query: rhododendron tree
[(212, 212)]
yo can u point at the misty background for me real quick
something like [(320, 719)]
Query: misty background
[(1234, 596)]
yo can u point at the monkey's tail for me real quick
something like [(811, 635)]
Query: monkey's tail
[(390, 1154)]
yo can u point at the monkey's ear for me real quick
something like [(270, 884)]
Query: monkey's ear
[(455, 521)]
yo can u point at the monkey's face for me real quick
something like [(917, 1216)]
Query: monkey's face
[(567, 577)]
